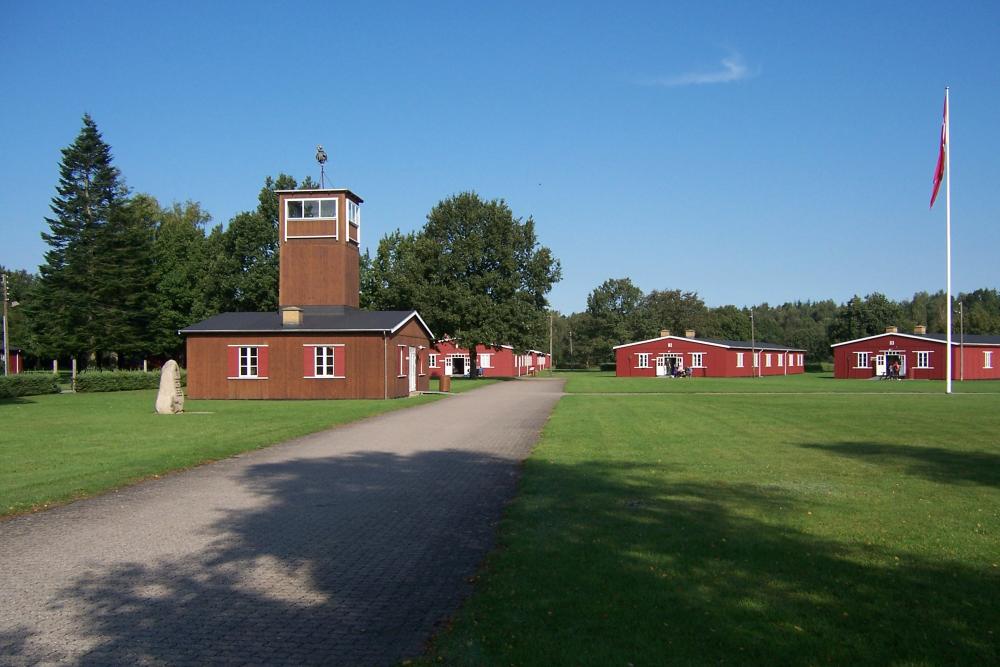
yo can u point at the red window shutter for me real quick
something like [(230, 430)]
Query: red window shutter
[(339, 361), (262, 362), (234, 361), (308, 361)]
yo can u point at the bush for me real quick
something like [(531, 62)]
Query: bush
[(819, 367), (609, 366), (94, 381), (12, 386)]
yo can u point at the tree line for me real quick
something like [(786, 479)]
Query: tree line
[(620, 312), (123, 273)]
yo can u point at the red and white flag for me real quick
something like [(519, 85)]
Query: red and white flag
[(939, 170)]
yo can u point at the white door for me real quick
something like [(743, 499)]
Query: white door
[(447, 366), (661, 365), (880, 364), (413, 369)]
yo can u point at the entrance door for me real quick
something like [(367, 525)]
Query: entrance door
[(448, 370), (661, 365), (897, 358), (413, 369), (458, 365), (880, 365)]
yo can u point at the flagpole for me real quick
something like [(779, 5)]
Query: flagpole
[(947, 226)]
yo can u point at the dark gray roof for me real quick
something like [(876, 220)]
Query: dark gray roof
[(759, 345), (739, 344), (314, 318), (956, 339), (969, 339)]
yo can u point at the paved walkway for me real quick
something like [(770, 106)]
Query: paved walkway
[(347, 547)]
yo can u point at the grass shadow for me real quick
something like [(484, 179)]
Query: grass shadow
[(601, 566), (17, 400), (937, 464), (357, 560)]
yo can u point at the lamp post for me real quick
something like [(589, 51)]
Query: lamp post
[(6, 345), (961, 342)]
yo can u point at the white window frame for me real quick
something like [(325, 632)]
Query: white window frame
[(739, 359), (354, 220), (756, 359), (486, 360), (860, 357), (642, 360), (249, 360), (697, 360), (335, 218), (336, 373), (241, 364), (781, 360), (925, 357), (323, 361), (432, 359), (767, 360), (988, 359), (404, 365), (319, 201), (801, 359)]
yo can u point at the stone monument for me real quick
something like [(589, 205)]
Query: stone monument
[(170, 399)]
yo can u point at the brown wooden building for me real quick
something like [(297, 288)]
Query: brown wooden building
[(319, 344)]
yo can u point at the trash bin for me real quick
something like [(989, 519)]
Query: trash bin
[(444, 383)]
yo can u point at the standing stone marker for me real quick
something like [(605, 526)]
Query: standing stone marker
[(170, 399)]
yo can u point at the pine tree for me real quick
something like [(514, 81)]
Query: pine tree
[(90, 192)]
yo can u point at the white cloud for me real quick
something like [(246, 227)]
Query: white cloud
[(732, 68)]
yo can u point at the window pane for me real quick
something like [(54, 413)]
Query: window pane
[(328, 208), (294, 209), (310, 208)]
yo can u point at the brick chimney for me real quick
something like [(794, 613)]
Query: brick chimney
[(920, 329), (891, 330), (664, 333), (291, 316), (689, 333)]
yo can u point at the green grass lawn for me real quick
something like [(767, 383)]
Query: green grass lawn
[(458, 385), (763, 529), (59, 447), (817, 383)]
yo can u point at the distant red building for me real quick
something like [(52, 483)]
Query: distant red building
[(920, 356), (447, 358), (705, 357), (16, 363)]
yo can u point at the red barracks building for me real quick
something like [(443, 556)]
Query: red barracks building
[(319, 344), (447, 358), (920, 356), (705, 357)]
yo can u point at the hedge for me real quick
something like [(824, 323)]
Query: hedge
[(13, 386), (94, 381), (609, 366)]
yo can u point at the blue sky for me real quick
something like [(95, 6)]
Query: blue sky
[(747, 153)]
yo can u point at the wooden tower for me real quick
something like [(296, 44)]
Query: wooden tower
[(319, 235)]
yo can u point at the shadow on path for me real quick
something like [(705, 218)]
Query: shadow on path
[(352, 560)]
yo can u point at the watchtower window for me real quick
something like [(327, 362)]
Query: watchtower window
[(354, 221), (311, 209)]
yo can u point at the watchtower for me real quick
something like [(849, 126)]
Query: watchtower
[(319, 236)]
